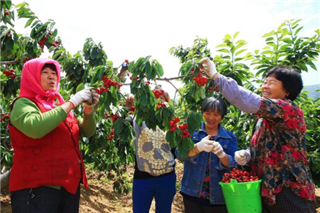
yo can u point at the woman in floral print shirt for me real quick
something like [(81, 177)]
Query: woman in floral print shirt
[(277, 152)]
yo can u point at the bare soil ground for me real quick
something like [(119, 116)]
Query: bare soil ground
[(100, 197)]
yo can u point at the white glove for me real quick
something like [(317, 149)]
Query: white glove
[(242, 157), (218, 150), (89, 108), (205, 145), (208, 67), (80, 97), (93, 100)]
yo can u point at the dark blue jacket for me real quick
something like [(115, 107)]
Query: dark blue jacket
[(195, 167)]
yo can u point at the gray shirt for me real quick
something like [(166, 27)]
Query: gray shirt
[(153, 152)]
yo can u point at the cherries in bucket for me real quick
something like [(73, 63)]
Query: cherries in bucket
[(239, 176)]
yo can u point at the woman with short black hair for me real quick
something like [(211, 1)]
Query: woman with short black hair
[(212, 156), (277, 152)]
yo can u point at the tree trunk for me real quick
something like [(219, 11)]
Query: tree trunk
[(4, 179)]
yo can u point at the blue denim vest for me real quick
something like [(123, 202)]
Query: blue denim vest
[(195, 167)]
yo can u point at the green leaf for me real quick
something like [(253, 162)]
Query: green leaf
[(287, 40), (80, 87), (235, 35), (118, 126), (240, 51), (224, 50), (227, 37), (29, 22), (268, 34)]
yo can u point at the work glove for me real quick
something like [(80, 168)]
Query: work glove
[(89, 106), (93, 100), (218, 150), (208, 67), (205, 145), (242, 157), (80, 97)]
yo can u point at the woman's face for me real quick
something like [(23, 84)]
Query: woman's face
[(212, 118), (273, 88), (48, 79)]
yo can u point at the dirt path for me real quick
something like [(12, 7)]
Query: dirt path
[(100, 197)]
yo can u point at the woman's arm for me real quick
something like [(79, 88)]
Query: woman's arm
[(88, 125), (28, 119), (242, 98), (238, 96)]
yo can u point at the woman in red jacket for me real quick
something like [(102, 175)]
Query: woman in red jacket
[(47, 163)]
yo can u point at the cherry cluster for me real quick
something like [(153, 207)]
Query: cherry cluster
[(185, 132), (113, 117), (11, 73), (210, 89), (107, 82), (55, 43), (8, 34), (4, 117), (239, 175), (158, 93), (173, 124), (201, 81), (132, 109), (133, 79), (101, 90), (160, 105), (27, 59), (43, 41), (111, 135)]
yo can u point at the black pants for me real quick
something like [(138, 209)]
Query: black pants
[(288, 202), (45, 200), (196, 205)]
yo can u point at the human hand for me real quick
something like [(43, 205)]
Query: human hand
[(81, 96), (208, 67), (89, 108), (218, 150), (242, 157), (205, 145), (94, 99)]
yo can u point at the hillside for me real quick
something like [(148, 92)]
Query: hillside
[(312, 91)]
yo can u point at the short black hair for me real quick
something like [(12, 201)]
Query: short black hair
[(291, 80), (213, 104), (49, 65)]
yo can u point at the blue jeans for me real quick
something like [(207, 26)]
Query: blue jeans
[(161, 188), (45, 199)]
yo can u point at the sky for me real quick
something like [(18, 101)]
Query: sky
[(130, 29)]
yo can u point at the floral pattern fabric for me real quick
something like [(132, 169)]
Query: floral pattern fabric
[(278, 150), (205, 192)]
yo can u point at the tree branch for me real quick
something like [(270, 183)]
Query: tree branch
[(8, 62)]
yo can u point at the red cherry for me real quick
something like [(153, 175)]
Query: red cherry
[(6, 12)]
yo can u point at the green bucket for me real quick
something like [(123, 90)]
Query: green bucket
[(242, 197)]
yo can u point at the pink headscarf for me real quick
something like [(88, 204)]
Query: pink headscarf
[(30, 86)]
